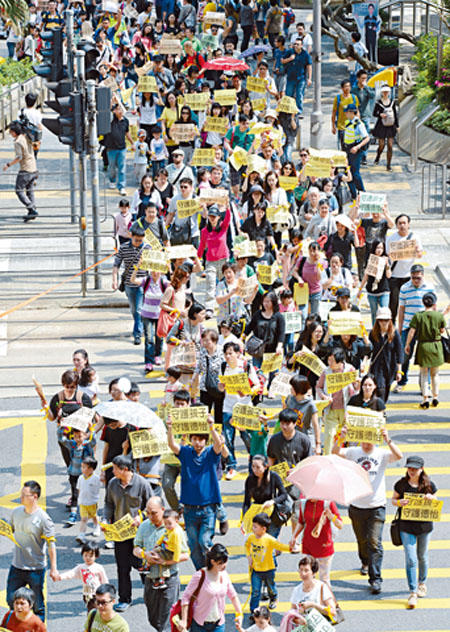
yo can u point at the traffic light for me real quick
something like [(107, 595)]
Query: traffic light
[(103, 102), (90, 59), (69, 126), (52, 54)]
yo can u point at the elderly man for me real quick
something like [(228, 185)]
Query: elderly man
[(158, 601)]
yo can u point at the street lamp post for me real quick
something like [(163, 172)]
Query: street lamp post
[(317, 115)]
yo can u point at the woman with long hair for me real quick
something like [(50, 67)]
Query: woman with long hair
[(168, 117), (268, 325), (386, 127), (146, 193), (312, 337), (147, 113), (368, 395), (387, 352), (378, 291), (276, 196), (415, 534), (187, 146)]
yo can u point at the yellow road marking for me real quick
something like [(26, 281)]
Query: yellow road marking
[(380, 169), (156, 394), (350, 547), (445, 517), (387, 186), (415, 406), (9, 422), (376, 604)]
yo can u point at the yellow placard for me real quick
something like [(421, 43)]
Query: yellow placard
[(218, 124), (147, 83), (256, 84), (288, 183), (189, 420), (214, 196), (256, 164), (203, 157), (344, 323), (238, 158), (197, 100), (184, 355), (247, 520), (287, 105), (184, 251), (310, 360), (245, 248), (272, 362), (246, 417), (421, 508), (317, 169), (182, 132), (153, 260), (246, 287), (214, 17), (151, 239), (236, 384), (294, 322), (259, 104), (278, 214), (121, 530), (169, 46), (225, 97), (282, 469), (301, 294), (125, 95), (337, 158), (364, 425), (404, 249), (7, 532), (186, 208), (145, 444), (267, 274), (337, 381), (321, 404)]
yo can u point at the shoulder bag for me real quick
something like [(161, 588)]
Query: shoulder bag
[(121, 287), (166, 321), (255, 346), (211, 382), (176, 608), (446, 346), (395, 530)]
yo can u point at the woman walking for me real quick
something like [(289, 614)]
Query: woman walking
[(387, 352), (387, 124)]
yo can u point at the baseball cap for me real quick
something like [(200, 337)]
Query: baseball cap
[(158, 58), (178, 151), (417, 267), (351, 107), (384, 313), (213, 210), (256, 188), (415, 461), (142, 132), (342, 292)]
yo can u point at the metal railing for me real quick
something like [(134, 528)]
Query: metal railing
[(426, 16), (12, 99), (435, 189)]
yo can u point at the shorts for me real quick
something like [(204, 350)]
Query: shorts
[(88, 511)]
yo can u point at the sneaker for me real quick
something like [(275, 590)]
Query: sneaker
[(109, 544), (297, 549), (137, 340), (81, 539), (159, 584), (158, 361), (422, 590), (71, 520), (230, 475), (122, 606), (123, 192), (223, 527), (375, 587), (32, 214), (364, 570), (97, 532), (399, 388), (412, 601), (148, 367), (112, 185), (273, 603), (264, 594)]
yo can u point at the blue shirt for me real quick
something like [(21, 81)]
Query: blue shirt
[(296, 69), (199, 484), (411, 299)]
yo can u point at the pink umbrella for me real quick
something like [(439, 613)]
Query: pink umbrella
[(225, 63), (331, 478)]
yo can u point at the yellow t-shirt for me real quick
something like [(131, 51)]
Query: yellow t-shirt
[(343, 101), (260, 550), (173, 541), (169, 117)]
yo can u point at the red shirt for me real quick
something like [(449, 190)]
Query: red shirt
[(32, 624), (323, 545)]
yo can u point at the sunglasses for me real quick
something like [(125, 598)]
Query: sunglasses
[(184, 186), (303, 155)]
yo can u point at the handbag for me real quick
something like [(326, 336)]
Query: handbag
[(255, 347), (395, 530), (166, 321), (282, 511), (446, 346), (176, 608)]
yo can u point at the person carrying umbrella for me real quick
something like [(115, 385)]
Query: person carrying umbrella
[(368, 513)]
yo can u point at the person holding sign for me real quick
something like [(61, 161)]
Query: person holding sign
[(415, 534), (368, 513), (307, 415), (377, 279), (368, 395), (268, 327)]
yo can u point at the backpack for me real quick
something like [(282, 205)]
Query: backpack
[(180, 233), (31, 131), (289, 17), (389, 119)]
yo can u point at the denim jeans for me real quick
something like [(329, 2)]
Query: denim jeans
[(314, 302), (169, 477), (296, 88), (229, 433), (221, 513), (365, 149), (368, 528), (18, 578), (200, 522), (117, 166), (354, 162), (135, 296), (257, 580), (206, 627), (376, 301), (25, 182), (287, 151), (153, 344), (406, 357), (213, 272), (416, 555)]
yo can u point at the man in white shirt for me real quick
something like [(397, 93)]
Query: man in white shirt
[(183, 230), (178, 169), (306, 37), (401, 269), (368, 513)]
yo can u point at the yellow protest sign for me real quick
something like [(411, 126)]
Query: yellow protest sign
[(421, 508), (161, 411), (184, 355), (282, 469), (317, 169), (281, 385), (7, 532), (293, 321), (147, 83), (153, 260), (214, 17), (218, 124), (245, 248), (121, 530), (301, 294), (337, 158), (186, 208), (203, 157), (143, 70), (185, 251), (337, 381), (169, 46), (256, 84), (225, 97), (126, 95), (256, 164), (258, 104), (246, 417), (236, 384), (344, 323), (272, 362), (189, 420), (404, 249), (247, 520), (110, 83), (151, 239), (288, 183), (182, 132), (246, 287), (144, 444), (364, 425), (214, 196), (238, 158), (267, 274), (287, 105), (278, 214), (197, 101), (321, 404), (310, 360)]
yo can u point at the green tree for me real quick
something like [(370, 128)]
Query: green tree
[(15, 10)]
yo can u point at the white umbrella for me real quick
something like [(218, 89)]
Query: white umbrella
[(132, 413)]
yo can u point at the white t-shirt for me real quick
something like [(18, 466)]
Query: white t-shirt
[(33, 115), (89, 490), (375, 465), (298, 594), (403, 266)]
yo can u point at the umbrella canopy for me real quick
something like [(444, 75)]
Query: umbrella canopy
[(132, 413), (254, 50), (331, 478), (225, 63)]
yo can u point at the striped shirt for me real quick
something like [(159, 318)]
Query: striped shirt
[(411, 298), (129, 255), (152, 298)]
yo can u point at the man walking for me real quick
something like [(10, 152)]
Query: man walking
[(103, 618), (298, 66), (116, 148), (365, 96), (34, 532), (338, 118), (28, 173)]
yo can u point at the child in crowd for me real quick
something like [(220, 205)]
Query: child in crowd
[(259, 548), (122, 221), (287, 305), (90, 572), (302, 402), (158, 150), (134, 394), (88, 487), (173, 385), (141, 155), (168, 547), (262, 619), (89, 384)]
